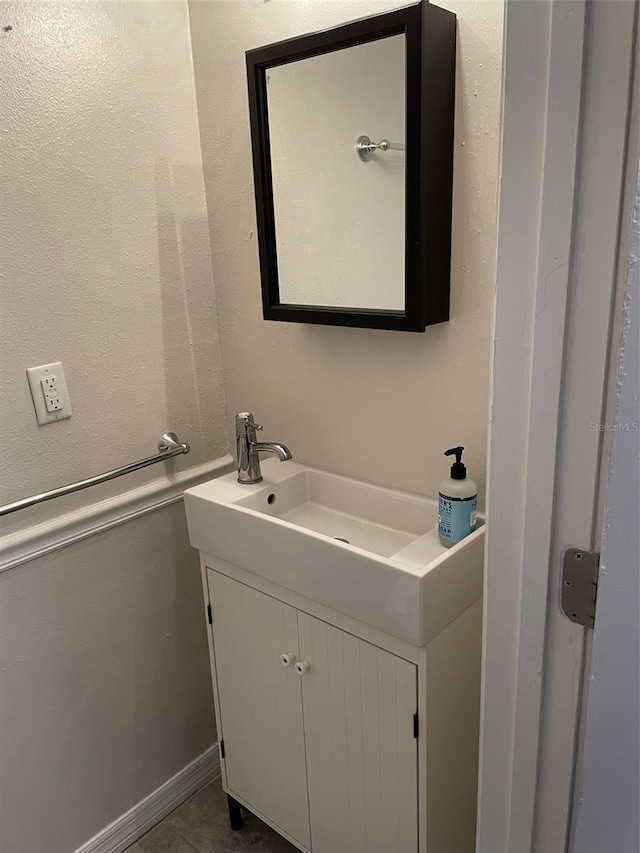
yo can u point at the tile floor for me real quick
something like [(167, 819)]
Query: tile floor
[(201, 825)]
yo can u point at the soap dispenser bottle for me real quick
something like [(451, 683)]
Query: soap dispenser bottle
[(458, 497)]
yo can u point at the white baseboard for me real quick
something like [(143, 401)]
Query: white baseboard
[(144, 815)]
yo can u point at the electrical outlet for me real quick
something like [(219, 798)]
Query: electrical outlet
[(49, 392)]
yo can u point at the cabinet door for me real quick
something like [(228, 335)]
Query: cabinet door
[(260, 703), (362, 756)]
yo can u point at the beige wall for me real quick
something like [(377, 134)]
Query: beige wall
[(377, 405), (105, 260), (105, 266), (105, 680)]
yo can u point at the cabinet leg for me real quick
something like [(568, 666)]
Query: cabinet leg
[(235, 813)]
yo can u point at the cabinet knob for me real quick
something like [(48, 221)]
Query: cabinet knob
[(303, 667), (287, 659)]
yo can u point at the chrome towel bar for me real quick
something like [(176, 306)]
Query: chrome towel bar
[(168, 446)]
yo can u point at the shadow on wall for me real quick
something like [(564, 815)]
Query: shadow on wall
[(187, 309), (169, 635)]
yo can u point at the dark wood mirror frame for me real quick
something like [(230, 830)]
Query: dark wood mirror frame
[(430, 93)]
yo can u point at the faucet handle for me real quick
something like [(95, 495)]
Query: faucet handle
[(244, 422)]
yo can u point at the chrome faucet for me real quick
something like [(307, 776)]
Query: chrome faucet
[(248, 449)]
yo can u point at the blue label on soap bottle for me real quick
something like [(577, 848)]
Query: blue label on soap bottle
[(456, 517)]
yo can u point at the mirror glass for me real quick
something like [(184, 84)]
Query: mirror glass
[(339, 208)]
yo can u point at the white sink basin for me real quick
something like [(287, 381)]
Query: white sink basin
[(391, 572), (376, 520)]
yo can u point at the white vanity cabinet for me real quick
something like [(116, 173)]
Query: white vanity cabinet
[(260, 715), (360, 712), (327, 749), (324, 722), (372, 745)]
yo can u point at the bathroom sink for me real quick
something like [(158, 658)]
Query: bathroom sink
[(370, 518), (369, 552)]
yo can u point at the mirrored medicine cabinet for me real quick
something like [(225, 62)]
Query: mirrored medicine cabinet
[(352, 139)]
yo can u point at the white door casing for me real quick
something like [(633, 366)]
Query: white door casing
[(542, 69), (557, 242)]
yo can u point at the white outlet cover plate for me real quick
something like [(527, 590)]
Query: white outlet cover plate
[(35, 375)]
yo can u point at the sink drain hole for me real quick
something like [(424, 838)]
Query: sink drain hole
[(271, 499), (342, 539)]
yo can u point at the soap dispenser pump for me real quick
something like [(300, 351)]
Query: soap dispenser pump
[(457, 502)]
